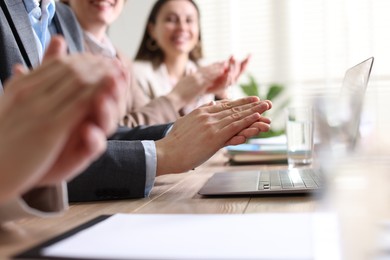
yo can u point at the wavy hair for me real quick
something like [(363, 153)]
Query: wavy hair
[(157, 56)]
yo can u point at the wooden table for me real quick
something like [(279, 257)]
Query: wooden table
[(178, 194)]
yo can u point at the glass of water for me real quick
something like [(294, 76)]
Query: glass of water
[(299, 129)]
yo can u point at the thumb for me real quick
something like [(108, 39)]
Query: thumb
[(244, 63), (19, 70), (56, 48)]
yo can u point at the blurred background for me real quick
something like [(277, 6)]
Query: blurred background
[(304, 45)]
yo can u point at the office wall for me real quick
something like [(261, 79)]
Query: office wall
[(127, 31)]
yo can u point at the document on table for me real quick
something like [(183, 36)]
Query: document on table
[(220, 236)]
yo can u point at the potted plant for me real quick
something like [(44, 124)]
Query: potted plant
[(273, 92)]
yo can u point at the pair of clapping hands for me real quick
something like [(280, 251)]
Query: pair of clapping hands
[(54, 121), (211, 79), (221, 75)]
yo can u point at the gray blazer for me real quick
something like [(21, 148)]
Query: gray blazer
[(120, 172), (64, 23)]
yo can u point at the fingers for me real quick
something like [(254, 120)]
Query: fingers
[(255, 129), (269, 103), (238, 125), (40, 80), (98, 101), (220, 83), (85, 144), (236, 68), (259, 106), (74, 77), (105, 111), (247, 122), (247, 133), (231, 114), (235, 140), (244, 64), (228, 105), (243, 136), (19, 69), (56, 48), (67, 88), (231, 71), (94, 142)]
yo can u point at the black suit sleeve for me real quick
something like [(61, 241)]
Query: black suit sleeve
[(120, 172), (154, 132)]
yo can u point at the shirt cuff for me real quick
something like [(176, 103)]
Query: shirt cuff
[(168, 130), (151, 165)]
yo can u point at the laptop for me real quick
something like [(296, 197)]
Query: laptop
[(309, 179)]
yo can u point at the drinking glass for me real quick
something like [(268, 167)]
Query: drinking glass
[(299, 129)]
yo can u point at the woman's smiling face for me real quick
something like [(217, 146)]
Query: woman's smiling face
[(176, 30)]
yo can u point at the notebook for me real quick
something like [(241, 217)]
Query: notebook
[(254, 153), (304, 180)]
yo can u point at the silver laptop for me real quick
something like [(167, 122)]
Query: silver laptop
[(302, 180)]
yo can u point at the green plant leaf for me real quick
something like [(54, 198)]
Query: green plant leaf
[(251, 88), (274, 91)]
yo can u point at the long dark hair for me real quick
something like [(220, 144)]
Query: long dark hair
[(157, 56)]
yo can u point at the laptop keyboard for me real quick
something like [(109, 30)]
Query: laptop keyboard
[(289, 179)]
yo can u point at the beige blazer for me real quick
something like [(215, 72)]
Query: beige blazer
[(155, 82), (40, 202), (141, 110)]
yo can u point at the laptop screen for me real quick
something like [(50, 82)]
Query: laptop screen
[(338, 119)]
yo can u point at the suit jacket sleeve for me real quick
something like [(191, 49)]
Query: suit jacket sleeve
[(140, 110), (41, 202), (120, 173)]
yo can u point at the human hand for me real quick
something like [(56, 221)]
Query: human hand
[(109, 105), (48, 119), (186, 91), (237, 68), (194, 85), (195, 137), (262, 125), (231, 72), (89, 137)]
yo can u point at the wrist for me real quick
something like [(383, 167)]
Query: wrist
[(163, 161), (176, 100)]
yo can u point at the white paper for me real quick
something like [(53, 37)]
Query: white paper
[(244, 236)]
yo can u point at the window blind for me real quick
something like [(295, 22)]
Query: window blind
[(304, 44)]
